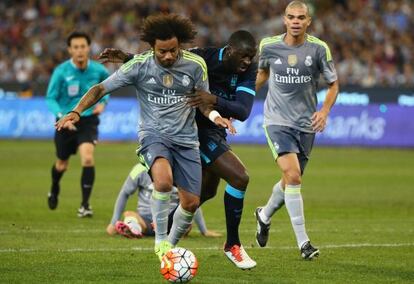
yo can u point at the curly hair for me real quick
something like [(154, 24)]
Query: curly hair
[(167, 26)]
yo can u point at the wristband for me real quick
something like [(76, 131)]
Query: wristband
[(213, 115), (73, 111)]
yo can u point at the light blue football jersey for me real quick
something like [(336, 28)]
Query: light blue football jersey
[(69, 83)]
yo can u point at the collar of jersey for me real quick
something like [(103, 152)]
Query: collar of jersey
[(76, 67), (221, 52)]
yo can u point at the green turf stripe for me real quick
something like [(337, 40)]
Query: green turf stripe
[(269, 141)]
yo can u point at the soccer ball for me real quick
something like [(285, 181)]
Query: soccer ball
[(179, 265)]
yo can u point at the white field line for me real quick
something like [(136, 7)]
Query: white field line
[(71, 250), (97, 231)]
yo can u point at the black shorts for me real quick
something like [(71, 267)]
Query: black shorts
[(67, 141), (213, 144)]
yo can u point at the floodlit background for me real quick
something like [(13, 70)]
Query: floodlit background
[(358, 187)]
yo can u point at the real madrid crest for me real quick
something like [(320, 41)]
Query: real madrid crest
[(292, 59), (167, 80), (308, 60), (186, 81)]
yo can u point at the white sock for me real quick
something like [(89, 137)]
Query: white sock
[(275, 202), (294, 206), (160, 207), (181, 223)]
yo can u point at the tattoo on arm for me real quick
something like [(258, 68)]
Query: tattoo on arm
[(92, 96)]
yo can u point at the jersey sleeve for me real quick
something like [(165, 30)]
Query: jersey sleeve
[(327, 65), (137, 179), (263, 56), (241, 107), (201, 77), (53, 93), (124, 76)]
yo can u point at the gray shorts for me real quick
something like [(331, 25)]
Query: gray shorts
[(284, 139), (185, 162)]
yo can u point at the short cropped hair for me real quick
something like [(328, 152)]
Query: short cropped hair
[(297, 3), (242, 39), (77, 34), (167, 26)]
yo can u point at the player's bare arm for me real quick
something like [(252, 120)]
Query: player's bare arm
[(320, 117), (261, 78), (92, 96)]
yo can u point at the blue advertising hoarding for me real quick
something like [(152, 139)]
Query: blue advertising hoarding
[(381, 125)]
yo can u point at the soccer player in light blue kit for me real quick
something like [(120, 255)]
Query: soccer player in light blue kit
[(164, 77), (69, 81), (293, 62), (139, 223)]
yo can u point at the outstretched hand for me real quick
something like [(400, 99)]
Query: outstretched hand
[(225, 123), (112, 55), (67, 122)]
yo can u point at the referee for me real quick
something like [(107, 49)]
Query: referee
[(69, 82)]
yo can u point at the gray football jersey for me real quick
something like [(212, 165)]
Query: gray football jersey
[(294, 72), (162, 94)]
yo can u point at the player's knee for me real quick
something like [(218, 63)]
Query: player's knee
[(241, 180), (190, 205), (293, 177), (88, 162), (61, 166), (163, 186)]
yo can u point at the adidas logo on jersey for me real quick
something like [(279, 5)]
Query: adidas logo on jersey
[(278, 61), (151, 81)]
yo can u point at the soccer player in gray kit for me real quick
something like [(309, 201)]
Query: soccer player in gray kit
[(292, 63), (164, 78)]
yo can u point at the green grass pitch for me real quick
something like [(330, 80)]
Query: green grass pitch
[(359, 208)]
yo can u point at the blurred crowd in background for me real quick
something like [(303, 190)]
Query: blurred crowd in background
[(372, 41)]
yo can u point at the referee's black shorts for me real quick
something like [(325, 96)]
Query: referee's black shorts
[(67, 141)]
